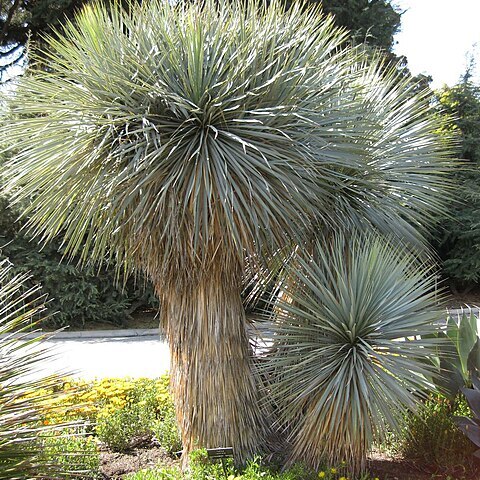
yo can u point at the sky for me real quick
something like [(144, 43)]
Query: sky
[(437, 36)]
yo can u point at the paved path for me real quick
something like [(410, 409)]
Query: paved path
[(110, 355), (115, 353)]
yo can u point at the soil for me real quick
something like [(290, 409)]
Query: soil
[(387, 467), (117, 465)]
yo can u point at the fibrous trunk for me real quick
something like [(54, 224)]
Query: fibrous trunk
[(212, 380)]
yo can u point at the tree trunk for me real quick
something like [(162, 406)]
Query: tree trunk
[(212, 379)]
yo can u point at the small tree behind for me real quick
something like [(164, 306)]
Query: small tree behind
[(459, 236)]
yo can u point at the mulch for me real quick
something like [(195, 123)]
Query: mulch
[(117, 465), (388, 467)]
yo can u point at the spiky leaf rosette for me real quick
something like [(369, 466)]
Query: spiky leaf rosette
[(347, 357), (400, 184), (170, 133)]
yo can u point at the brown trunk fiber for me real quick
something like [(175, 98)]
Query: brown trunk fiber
[(212, 380)]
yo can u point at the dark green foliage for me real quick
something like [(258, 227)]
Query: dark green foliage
[(433, 438), (77, 296), (21, 20), (374, 22), (459, 240), (34, 17)]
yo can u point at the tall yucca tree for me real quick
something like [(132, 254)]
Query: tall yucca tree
[(349, 337), (188, 139)]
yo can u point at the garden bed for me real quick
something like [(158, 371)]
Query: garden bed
[(381, 466), (129, 427)]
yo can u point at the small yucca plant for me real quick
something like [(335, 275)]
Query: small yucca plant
[(21, 361), (347, 357)]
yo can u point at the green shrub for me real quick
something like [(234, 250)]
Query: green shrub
[(77, 454), (203, 469), (148, 412), (432, 437), (255, 470), (152, 395), (166, 432), (125, 427), (125, 410), (77, 296)]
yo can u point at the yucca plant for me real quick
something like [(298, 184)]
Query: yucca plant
[(22, 358), (182, 139), (347, 357)]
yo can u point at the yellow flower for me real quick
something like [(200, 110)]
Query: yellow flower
[(343, 478), (321, 474), (333, 470)]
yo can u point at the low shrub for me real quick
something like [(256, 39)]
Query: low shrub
[(170, 473), (166, 432), (432, 437), (125, 428), (76, 453), (122, 412), (255, 470), (138, 411), (201, 468)]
